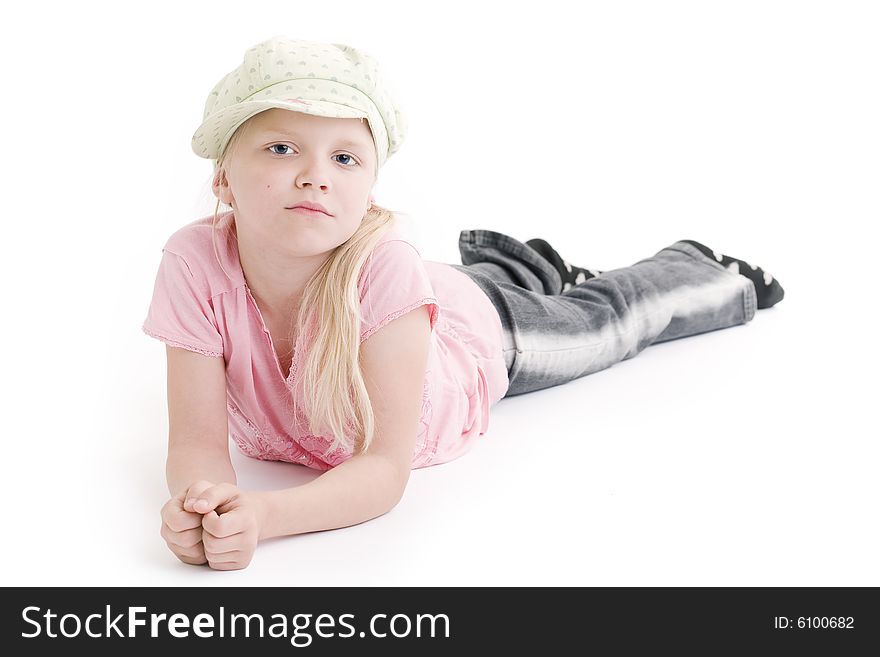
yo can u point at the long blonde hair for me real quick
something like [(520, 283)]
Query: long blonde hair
[(336, 398)]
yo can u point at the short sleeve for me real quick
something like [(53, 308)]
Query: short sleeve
[(180, 313), (392, 284)]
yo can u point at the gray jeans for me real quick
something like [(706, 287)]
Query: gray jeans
[(553, 336)]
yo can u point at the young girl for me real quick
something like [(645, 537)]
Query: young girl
[(303, 323)]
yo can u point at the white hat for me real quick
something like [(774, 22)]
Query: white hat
[(324, 79)]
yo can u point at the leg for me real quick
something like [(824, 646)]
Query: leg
[(571, 274), (769, 290), (504, 259), (553, 338)]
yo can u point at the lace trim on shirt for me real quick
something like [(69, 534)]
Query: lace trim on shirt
[(318, 444), (313, 444), (177, 343), (268, 447), (254, 448), (272, 447), (423, 449), (404, 311)]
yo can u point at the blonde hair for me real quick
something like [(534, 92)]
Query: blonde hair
[(336, 398)]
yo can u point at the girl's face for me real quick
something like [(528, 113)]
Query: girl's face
[(284, 158)]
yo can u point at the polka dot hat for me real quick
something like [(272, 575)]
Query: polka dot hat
[(324, 79)]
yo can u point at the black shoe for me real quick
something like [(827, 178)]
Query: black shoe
[(570, 274), (769, 290)]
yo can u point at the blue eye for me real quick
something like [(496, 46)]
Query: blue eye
[(354, 162)]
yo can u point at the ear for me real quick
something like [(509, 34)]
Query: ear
[(220, 187)]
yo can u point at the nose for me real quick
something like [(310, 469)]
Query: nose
[(313, 173)]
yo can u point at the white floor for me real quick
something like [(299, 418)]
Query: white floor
[(746, 456)]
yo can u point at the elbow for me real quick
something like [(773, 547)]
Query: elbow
[(397, 485), (398, 494), (396, 478), (383, 477)]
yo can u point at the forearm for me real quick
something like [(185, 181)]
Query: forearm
[(359, 489), (188, 463)]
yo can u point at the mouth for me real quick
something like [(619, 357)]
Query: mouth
[(308, 211)]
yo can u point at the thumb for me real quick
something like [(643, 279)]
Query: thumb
[(189, 494), (214, 497)]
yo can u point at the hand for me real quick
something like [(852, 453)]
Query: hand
[(232, 520), (182, 529)]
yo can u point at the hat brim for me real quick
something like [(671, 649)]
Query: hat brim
[(211, 137)]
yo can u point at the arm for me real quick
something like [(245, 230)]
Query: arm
[(198, 447), (198, 433), (363, 487), (371, 484), (187, 463)]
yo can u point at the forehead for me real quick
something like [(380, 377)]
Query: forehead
[(288, 121)]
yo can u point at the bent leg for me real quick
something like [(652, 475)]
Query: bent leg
[(551, 339)]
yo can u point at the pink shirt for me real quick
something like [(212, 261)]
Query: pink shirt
[(195, 306)]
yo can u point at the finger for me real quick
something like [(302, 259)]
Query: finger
[(214, 497), (201, 485), (174, 516), (223, 555), (192, 557), (237, 564), (184, 539), (193, 562), (221, 545), (225, 524), (193, 493), (195, 553), (179, 520)]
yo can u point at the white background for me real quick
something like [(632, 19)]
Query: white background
[(746, 456)]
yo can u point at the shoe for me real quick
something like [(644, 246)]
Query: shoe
[(767, 288), (571, 275)]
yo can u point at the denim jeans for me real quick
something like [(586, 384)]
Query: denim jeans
[(553, 336)]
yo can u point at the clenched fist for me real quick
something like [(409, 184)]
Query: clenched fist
[(215, 523), (182, 529)]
